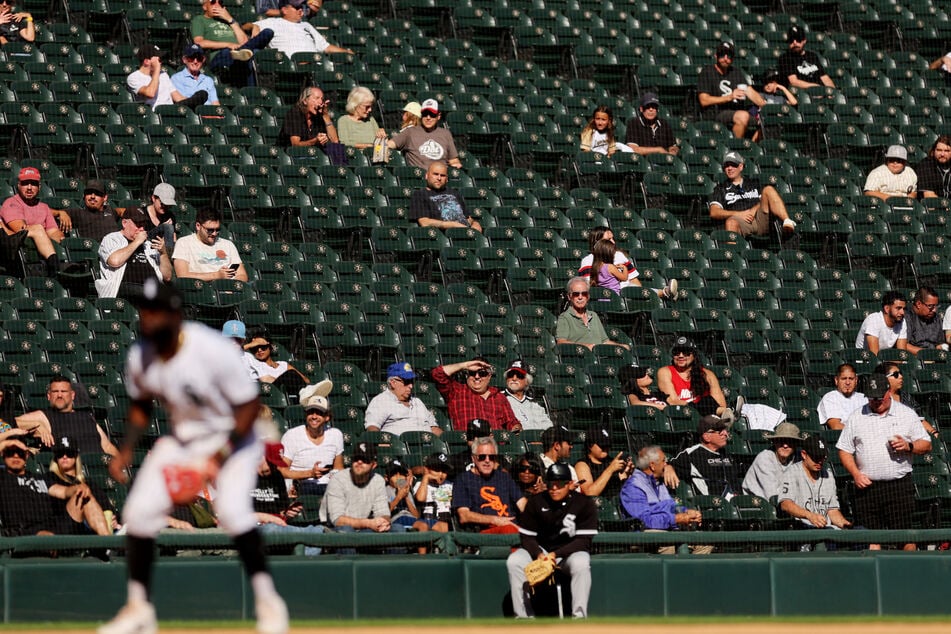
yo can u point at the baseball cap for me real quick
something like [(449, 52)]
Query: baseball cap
[(234, 329), (897, 152), (558, 472), (193, 50), (682, 344), (29, 174), (600, 437), (649, 99), (785, 430), (165, 193), (95, 186), (396, 466), (478, 427), (401, 370), (438, 462), (148, 50), (815, 448), (517, 366), (65, 445), (274, 453), (430, 105), (136, 215), (876, 386), (159, 295), (292, 3), (365, 451), (771, 75), (556, 433), (795, 33), (710, 423), (725, 48), (414, 109), (733, 157)]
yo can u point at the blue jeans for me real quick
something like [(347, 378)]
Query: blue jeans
[(309, 551), (223, 60)]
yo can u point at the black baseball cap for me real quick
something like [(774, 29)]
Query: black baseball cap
[(876, 386), (365, 451), (478, 427), (710, 423), (726, 48), (795, 34), (815, 448)]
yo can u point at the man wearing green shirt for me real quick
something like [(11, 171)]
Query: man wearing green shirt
[(578, 324), (225, 42)]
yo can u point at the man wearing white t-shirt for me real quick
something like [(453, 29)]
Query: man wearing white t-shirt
[(152, 85), (205, 256), (885, 329), (313, 450), (836, 406), (292, 34)]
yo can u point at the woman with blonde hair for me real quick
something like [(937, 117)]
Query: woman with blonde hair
[(358, 128)]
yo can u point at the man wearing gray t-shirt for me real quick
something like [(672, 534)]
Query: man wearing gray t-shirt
[(808, 491)]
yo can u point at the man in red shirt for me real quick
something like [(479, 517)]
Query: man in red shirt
[(475, 398)]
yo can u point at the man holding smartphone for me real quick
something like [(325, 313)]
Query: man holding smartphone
[(128, 257), (206, 256)]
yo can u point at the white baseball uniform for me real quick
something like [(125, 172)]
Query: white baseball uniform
[(199, 387)]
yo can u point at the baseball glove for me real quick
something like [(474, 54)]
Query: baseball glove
[(539, 570), (184, 483)]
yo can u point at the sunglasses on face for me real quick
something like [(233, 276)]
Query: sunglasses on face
[(212, 231), (29, 183), (580, 293), (90, 192), (526, 468), (64, 454), (682, 353), (405, 381), (14, 452), (894, 374), (482, 457), (481, 374), (256, 349)]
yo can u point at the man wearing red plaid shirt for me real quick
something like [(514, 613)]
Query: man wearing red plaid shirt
[(475, 398)]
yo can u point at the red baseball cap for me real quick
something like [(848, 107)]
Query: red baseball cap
[(29, 174)]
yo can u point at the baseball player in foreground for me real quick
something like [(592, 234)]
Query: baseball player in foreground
[(212, 405)]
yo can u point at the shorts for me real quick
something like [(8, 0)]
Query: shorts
[(887, 504), (726, 117), (759, 226)]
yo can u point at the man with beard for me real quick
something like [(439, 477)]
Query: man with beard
[(799, 67), (26, 212), (128, 257), (356, 497), (766, 473), (923, 324), (485, 497), (205, 255), (934, 172), (886, 328), (725, 93), (62, 419), (647, 133), (837, 405), (95, 219), (530, 414), (439, 206)]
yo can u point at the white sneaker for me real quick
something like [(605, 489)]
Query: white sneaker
[(242, 54), (136, 617), (727, 417), (670, 291), (272, 615), (789, 225), (738, 409)]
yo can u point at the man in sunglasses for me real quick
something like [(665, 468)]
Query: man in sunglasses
[(647, 133), (924, 322), (205, 255), (226, 43), (530, 414), (128, 257), (799, 67), (25, 500), (725, 93), (189, 80), (706, 465), (356, 497), (95, 218), (578, 324), (476, 398), (486, 498), (396, 410), (24, 211), (292, 34), (422, 144), (743, 204), (877, 448)]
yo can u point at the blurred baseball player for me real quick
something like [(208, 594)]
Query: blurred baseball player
[(212, 405)]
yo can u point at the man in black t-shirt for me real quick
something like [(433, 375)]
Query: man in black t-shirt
[(725, 93), (647, 133), (743, 204), (934, 172), (799, 67), (62, 419), (95, 219), (437, 205)]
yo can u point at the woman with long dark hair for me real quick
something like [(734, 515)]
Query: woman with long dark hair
[(686, 382)]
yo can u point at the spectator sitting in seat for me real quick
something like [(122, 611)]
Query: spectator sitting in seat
[(395, 410), (598, 473), (598, 135), (313, 450), (943, 65), (62, 419), (433, 494), (647, 133), (530, 414), (152, 85), (837, 405), (743, 204), (934, 172), (620, 260), (224, 39), (272, 505), (485, 497), (292, 34), (15, 26), (427, 142), (265, 368), (885, 328), (26, 501), (774, 92), (271, 8), (437, 205), (706, 465), (578, 324), (765, 475), (687, 382), (95, 219), (896, 382), (635, 384), (206, 256), (66, 469), (310, 124), (399, 486), (808, 490), (160, 209), (128, 257), (723, 92), (412, 115), (356, 497), (528, 469), (477, 398), (799, 67), (924, 324), (557, 441), (645, 497), (24, 211), (358, 128), (894, 178), (189, 80)]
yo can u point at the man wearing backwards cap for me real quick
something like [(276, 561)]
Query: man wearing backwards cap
[(292, 34), (25, 212), (706, 465), (808, 490), (725, 93), (152, 85), (423, 144), (529, 413), (212, 405), (395, 409), (127, 258), (876, 447), (95, 219), (799, 67), (893, 177), (189, 80), (647, 133), (743, 204), (766, 473), (314, 450)]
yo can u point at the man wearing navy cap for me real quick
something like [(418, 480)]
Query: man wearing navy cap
[(799, 67), (189, 80), (396, 410), (647, 133)]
